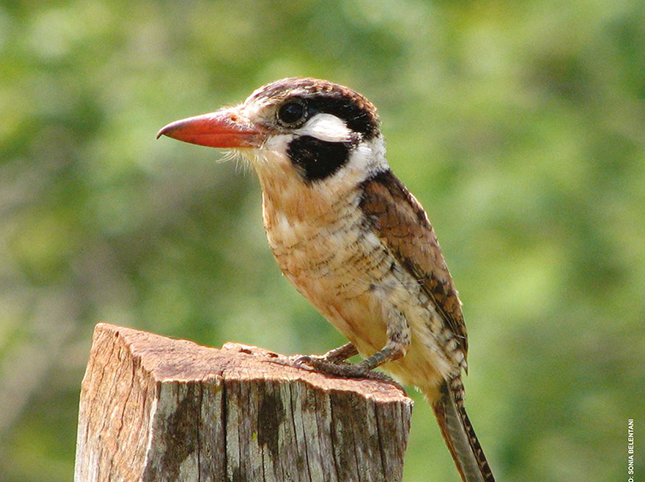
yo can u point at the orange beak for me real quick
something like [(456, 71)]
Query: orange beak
[(224, 128)]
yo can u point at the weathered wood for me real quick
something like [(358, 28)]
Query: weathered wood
[(157, 409)]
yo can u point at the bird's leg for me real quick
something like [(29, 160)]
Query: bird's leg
[(332, 357), (398, 342), (340, 354)]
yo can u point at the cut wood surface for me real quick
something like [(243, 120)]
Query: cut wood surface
[(159, 409)]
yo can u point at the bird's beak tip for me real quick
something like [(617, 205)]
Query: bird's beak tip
[(179, 126)]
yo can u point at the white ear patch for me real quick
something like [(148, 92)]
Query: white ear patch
[(326, 127)]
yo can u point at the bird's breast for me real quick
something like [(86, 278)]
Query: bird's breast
[(335, 249), (332, 259)]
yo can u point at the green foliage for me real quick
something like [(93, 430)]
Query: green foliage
[(519, 125)]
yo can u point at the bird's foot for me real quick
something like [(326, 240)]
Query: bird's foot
[(323, 364)]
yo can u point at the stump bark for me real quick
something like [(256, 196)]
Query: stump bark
[(158, 409)]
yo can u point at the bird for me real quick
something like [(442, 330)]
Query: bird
[(353, 240)]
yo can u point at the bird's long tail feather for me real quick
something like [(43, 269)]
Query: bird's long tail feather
[(459, 434)]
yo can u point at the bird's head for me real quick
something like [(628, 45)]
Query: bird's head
[(308, 129)]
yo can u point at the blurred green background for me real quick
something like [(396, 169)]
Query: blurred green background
[(519, 125)]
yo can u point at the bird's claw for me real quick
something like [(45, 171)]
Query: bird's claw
[(301, 360), (342, 369), (319, 363)]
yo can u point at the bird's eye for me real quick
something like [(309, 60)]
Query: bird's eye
[(291, 113)]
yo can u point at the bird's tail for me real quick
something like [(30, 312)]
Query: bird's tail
[(459, 434)]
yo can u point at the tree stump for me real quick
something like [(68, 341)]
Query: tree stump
[(158, 409)]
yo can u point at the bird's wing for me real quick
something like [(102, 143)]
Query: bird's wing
[(402, 225)]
